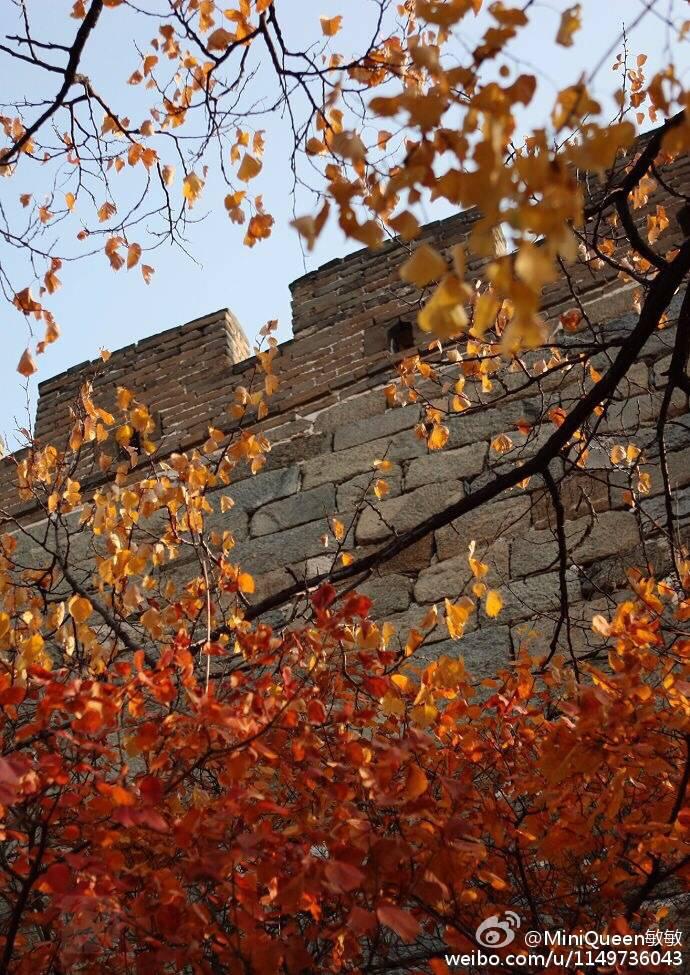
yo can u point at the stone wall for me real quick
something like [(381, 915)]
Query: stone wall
[(353, 321)]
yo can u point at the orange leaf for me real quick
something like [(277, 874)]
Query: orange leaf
[(494, 603), (417, 782), (26, 365), (331, 25), (133, 255)]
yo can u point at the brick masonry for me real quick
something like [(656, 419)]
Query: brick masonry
[(330, 420)]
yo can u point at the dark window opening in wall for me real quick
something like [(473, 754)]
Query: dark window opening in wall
[(400, 336)]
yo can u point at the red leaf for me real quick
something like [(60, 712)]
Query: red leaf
[(323, 597), (402, 922), (343, 876), (57, 878)]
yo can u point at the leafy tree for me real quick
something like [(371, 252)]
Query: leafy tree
[(184, 788)]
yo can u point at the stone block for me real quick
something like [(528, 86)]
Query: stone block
[(451, 577), (611, 533), (350, 493), (389, 594), (402, 513), (376, 427), (293, 545), (486, 423), (260, 489), (351, 410), (523, 598), (408, 561), (536, 636), (298, 509), (446, 465), (580, 492), (298, 449), (345, 464), (505, 518)]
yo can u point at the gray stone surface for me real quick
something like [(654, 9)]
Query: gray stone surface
[(471, 428), (350, 493), (266, 552), (406, 511), (298, 449), (390, 594), (353, 409), (538, 594), (451, 577), (253, 492), (376, 427), (609, 533), (345, 464), (446, 465), (298, 509), (505, 517)]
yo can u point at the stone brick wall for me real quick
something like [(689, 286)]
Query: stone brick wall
[(353, 320)]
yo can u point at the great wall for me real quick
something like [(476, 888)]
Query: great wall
[(353, 322)]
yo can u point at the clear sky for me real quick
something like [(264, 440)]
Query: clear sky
[(99, 308)]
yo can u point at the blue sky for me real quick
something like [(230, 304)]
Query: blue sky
[(99, 308)]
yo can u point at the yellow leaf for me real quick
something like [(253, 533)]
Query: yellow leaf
[(406, 225), (226, 503), (347, 558), (485, 312), (315, 147), (338, 529), (438, 437), (331, 25), (70, 200), (571, 21), (618, 454), (151, 619), (501, 443), (423, 714), (79, 608), (457, 614), (249, 168), (425, 265), (106, 211), (534, 266), (168, 173), (444, 314), (494, 603), (392, 704), (192, 187), (381, 488), (348, 145)]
